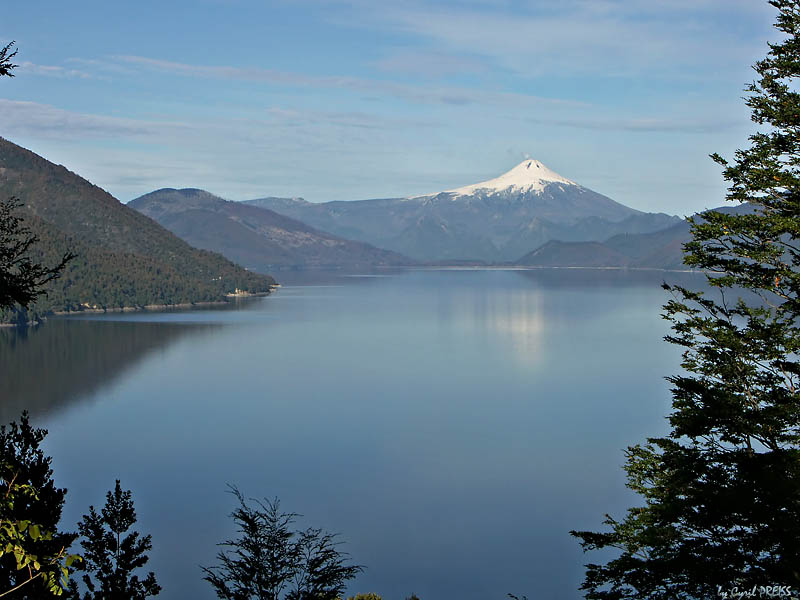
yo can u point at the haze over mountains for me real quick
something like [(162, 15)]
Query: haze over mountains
[(499, 220), (254, 237)]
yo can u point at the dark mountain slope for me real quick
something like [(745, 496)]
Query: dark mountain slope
[(574, 254), (124, 258), (655, 250)]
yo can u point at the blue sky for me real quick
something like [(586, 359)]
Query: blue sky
[(345, 100)]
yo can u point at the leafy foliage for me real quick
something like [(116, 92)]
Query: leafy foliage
[(111, 558), (722, 491), (31, 547), (270, 560), (17, 536)]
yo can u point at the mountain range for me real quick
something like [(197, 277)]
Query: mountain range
[(499, 220), (260, 239), (142, 254), (661, 249), (124, 259)]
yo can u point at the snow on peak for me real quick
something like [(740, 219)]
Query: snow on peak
[(528, 176)]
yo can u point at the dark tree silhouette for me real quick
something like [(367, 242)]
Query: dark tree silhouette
[(721, 492), (112, 558), (6, 54), (21, 279), (270, 560)]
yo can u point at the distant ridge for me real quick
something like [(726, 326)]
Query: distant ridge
[(657, 250), (258, 238), (124, 258), (574, 254), (661, 249), (497, 220)]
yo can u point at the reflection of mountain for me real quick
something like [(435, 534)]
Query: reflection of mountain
[(512, 315), (47, 368), (523, 317), (517, 316), (588, 279)]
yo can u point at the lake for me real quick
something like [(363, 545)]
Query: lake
[(452, 425)]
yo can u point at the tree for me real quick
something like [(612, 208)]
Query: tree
[(21, 279), (31, 547), (112, 559), (271, 561), (721, 492)]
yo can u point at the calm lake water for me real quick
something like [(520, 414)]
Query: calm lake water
[(452, 425)]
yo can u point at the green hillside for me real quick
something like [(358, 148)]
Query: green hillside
[(124, 258)]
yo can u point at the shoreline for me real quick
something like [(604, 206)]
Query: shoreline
[(150, 307), (543, 268), (158, 307)]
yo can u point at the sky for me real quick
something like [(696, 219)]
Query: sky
[(347, 100)]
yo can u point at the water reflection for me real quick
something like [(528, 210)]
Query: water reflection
[(577, 302), (510, 316), (585, 279), (52, 366), (453, 425)]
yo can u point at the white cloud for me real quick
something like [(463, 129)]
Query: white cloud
[(26, 68), (579, 37), (45, 121)]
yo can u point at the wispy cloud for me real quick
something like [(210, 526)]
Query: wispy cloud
[(49, 122), (430, 64), (574, 37), (646, 124), (27, 67), (447, 95)]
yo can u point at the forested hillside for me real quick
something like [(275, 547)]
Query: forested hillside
[(124, 259)]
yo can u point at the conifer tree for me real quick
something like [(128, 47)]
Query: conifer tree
[(112, 558), (721, 493), (271, 561)]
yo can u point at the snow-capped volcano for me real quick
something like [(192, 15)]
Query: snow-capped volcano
[(528, 176), (500, 219)]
